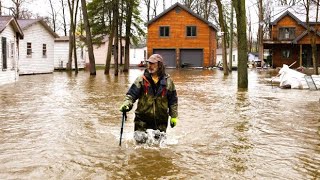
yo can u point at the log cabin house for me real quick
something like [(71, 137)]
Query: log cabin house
[(289, 40), (182, 37)]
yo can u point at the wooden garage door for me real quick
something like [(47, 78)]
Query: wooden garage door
[(168, 55), (191, 57)]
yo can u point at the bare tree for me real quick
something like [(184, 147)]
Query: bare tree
[(239, 6), (18, 11), (224, 39), (116, 36), (64, 18), (130, 6), (260, 32), (53, 16), (71, 6), (88, 38)]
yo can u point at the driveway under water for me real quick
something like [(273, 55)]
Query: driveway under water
[(62, 126)]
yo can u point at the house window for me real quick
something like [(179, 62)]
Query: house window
[(44, 50), (233, 58), (4, 52), (287, 33), (164, 31), (191, 31), (286, 53), (29, 49)]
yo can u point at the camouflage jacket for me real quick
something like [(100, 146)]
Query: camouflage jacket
[(155, 101)]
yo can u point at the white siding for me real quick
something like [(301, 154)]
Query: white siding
[(100, 53), (61, 54), (234, 58), (37, 35), (137, 55), (10, 74)]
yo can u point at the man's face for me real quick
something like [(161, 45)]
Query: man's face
[(152, 67)]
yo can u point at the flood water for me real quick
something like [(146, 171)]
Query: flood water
[(62, 126)]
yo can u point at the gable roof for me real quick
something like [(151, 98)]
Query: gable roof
[(6, 20), (184, 8), (26, 23), (288, 13), (298, 10)]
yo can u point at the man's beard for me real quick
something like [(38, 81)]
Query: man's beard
[(153, 70)]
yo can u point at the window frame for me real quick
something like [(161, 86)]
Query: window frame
[(287, 33), (164, 31), (29, 49), (193, 31), (286, 53), (44, 50)]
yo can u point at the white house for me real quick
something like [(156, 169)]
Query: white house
[(234, 57), (37, 47), (137, 54), (100, 52), (10, 33), (61, 54), (253, 59)]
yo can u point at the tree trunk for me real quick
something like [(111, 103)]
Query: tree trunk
[(74, 39), (231, 39), (110, 43), (120, 33), (116, 37), (88, 38), (224, 39), (64, 19), (128, 30), (240, 8), (260, 31), (314, 43), (71, 10), (53, 16)]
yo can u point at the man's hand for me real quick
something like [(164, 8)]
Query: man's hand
[(124, 108), (173, 122)]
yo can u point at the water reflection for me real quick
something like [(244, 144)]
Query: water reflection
[(62, 126)]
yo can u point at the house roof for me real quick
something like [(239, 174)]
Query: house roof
[(184, 8), (6, 20), (62, 39), (298, 20), (298, 10), (26, 23), (287, 13)]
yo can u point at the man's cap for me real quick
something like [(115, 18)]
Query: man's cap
[(155, 58)]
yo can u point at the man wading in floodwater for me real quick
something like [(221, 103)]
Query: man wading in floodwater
[(157, 98)]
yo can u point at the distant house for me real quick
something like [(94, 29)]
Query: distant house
[(289, 40), (37, 47), (61, 54), (10, 33), (138, 53), (234, 57), (253, 59), (182, 37), (100, 52)]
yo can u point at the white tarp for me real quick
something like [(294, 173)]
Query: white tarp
[(291, 78)]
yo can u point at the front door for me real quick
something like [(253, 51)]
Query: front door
[(307, 56)]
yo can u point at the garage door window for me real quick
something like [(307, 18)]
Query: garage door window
[(191, 31), (164, 31)]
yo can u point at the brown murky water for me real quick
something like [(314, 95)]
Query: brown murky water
[(60, 126)]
